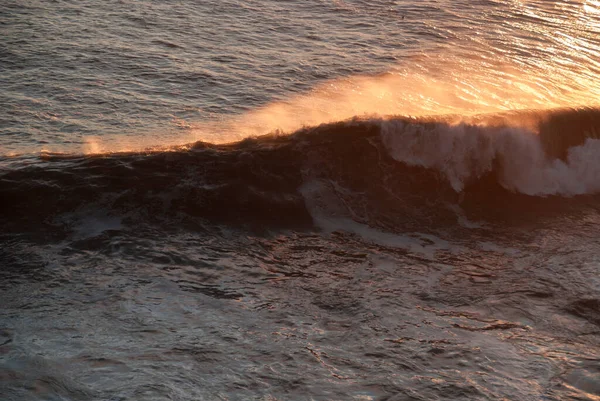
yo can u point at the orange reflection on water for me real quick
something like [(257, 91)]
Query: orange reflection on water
[(462, 89), (548, 60)]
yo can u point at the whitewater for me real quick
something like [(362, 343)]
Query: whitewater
[(316, 200)]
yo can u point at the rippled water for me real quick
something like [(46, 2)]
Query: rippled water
[(435, 239), (150, 72)]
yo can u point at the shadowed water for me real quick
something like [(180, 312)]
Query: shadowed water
[(436, 238)]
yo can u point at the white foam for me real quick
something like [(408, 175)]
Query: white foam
[(465, 152), (92, 226), (493, 247), (88, 223), (329, 217)]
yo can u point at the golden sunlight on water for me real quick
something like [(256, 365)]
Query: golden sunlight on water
[(460, 88), (546, 65), (593, 7)]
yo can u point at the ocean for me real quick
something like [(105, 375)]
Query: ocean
[(300, 200)]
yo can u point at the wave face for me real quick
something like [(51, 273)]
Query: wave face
[(399, 173)]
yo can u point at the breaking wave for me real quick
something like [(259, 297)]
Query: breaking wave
[(393, 172), (535, 153)]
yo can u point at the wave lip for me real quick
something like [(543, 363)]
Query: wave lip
[(534, 153)]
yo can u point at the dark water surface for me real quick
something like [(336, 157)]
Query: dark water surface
[(451, 255)]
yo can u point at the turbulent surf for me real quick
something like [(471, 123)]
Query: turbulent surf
[(383, 166), (436, 216), (316, 200)]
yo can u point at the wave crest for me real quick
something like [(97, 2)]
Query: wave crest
[(392, 173), (534, 153)]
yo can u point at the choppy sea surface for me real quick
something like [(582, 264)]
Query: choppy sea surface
[(300, 200)]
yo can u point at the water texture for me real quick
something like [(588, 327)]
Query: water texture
[(300, 200)]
